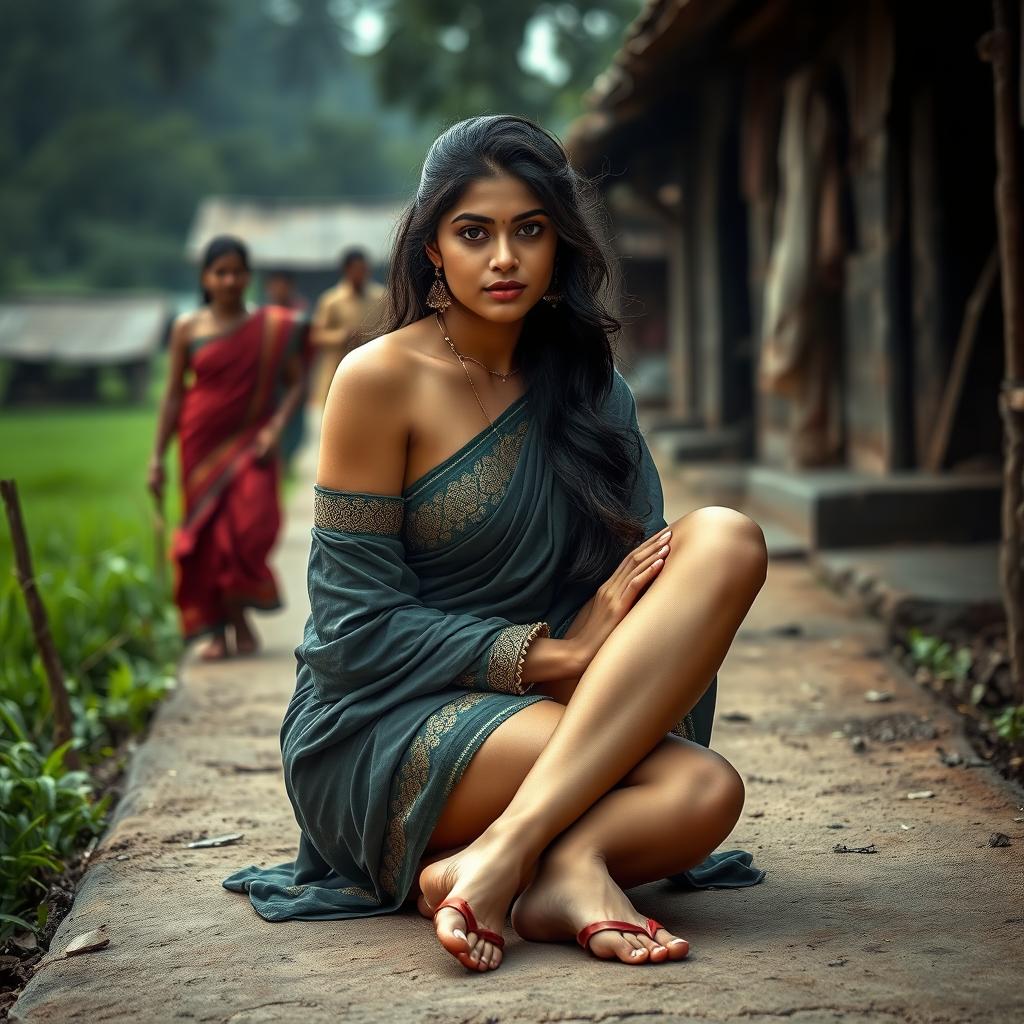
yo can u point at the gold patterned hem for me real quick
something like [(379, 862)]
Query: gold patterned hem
[(685, 728), (350, 512), (411, 781), (350, 890), (467, 499), (508, 656)]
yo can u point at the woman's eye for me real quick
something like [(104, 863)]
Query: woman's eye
[(532, 230), (465, 232)]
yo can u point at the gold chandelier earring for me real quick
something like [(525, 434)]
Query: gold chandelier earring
[(553, 296), (439, 297)]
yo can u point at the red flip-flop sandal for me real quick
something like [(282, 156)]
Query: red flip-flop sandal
[(586, 934), (459, 904)]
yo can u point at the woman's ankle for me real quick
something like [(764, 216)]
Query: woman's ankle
[(516, 843)]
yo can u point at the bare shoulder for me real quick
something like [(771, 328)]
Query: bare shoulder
[(367, 417), (184, 327), (381, 370)]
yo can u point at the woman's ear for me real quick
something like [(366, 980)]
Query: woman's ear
[(433, 253)]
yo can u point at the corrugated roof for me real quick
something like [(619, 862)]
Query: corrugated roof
[(90, 330), (300, 235)]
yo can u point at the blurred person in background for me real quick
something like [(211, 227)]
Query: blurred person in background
[(506, 686), (341, 311), (234, 379), (279, 290)]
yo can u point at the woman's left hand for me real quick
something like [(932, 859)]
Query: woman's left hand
[(265, 443)]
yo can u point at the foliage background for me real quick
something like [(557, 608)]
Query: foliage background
[(118, 116)]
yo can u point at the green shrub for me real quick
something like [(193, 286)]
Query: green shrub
[(45, 812), (117, 638), (1009, 723), (939, 657)]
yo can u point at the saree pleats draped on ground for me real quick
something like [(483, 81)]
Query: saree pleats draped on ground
[(423, 608)]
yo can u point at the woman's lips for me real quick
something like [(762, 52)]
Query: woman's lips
[(505, 292)]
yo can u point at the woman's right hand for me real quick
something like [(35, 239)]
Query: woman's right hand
[(155, 479), (619, 593)]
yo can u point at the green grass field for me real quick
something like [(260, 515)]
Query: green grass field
[(81, 476)]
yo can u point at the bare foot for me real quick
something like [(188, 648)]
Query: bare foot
[(564, 898), (487, 877), (215, 649), (246, 641)]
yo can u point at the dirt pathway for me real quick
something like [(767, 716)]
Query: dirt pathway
[(930, 928)]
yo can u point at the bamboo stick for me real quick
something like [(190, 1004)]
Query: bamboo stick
[(59, 702)]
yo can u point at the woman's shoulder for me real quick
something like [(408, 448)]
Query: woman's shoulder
[(382, 372), (183, 329)]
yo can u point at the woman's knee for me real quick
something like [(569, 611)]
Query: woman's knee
[(734, 541), (707, 791)]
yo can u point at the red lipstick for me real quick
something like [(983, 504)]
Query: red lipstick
[(505, 291)]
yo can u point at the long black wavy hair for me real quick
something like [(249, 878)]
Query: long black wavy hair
[(565, 351)]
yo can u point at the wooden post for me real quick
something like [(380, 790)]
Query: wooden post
[(1001, 48), (973, 310), (59, 702)]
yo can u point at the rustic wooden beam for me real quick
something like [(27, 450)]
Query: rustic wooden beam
[(1001, 47), (59, 703), (973, 309)]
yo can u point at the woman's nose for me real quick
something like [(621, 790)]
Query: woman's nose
[(504, 256)]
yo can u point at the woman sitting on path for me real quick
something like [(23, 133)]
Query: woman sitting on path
[(504, 634), (233, 381)]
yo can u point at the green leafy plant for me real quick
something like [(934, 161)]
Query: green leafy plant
[(118, 643), (940, 657), (45, 811), (1009, 723)]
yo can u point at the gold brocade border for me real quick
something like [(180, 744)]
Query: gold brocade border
[(411, 781), (686, 729), (348, 512), (508, 655), (350, 890), (506, 660), (466, 499)]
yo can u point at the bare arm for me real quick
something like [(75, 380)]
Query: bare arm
[(294, 377), (366, 426), (170, 404)]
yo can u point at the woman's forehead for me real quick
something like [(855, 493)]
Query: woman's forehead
[(227, 261), (501, 196)]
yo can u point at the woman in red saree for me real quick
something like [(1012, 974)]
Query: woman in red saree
[(225, 401)]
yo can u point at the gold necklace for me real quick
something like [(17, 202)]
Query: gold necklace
[(503, 377), (462, 359)]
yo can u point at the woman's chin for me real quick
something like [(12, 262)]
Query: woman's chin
[(502, 312)]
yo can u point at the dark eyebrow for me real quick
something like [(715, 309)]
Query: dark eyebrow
[(490, 220)]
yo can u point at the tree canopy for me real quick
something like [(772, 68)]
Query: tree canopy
[(118, 116)]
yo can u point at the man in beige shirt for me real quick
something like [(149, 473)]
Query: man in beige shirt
[(341, 311)]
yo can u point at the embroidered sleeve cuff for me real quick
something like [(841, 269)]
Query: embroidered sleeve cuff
[(508, 656)]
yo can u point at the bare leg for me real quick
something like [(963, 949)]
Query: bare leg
[(668, 813), (648, 674), (246, 641)]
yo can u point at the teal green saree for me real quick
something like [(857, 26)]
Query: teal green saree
[(423, 608)]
